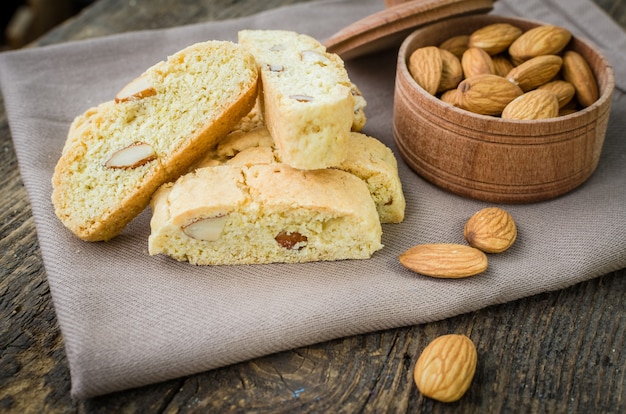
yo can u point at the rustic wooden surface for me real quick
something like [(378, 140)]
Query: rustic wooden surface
[(554, 352)]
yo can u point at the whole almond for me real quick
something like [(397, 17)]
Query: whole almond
[(444, 260), (540, 40), (570, 107), (494, 38), (486, 94), (476, 61), (563, 90), (502, 65), (457, 45), (536, 104), (425, 66), (451, 97), (535, 72), (451, 71), (491, 230), (446, 367), (576, 70)]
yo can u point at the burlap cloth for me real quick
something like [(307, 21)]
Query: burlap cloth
[(129, 319)]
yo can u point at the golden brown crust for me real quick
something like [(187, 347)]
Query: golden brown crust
[(179, 122), (265, 214), (369, 159)]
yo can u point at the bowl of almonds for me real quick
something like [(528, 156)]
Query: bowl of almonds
[(501, 109)]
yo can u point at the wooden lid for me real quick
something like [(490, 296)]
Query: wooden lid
[(389, 27)]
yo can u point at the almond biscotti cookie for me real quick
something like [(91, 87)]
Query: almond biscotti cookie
[(374, 163), (255, 117), (264, 214), (369, 159), (118, 153), (308, 103)]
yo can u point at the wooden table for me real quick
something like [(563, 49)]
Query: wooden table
[(554, 352)]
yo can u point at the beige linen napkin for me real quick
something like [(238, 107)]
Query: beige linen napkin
[(129, 319)]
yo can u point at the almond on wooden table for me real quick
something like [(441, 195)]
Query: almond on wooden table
[(446, 367)]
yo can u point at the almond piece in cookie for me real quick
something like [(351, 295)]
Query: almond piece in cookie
[(308, 105), (132, 156), (272, 214), (138, 88), (207, 229)]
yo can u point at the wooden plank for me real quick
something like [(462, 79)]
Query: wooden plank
[(555, 352)]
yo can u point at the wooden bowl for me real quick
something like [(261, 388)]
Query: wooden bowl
[(489, 158)]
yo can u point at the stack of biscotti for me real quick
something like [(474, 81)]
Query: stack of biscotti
[(241, 191), (294, 65), (294, 181), (119, 153), (368, 158), (244, 154)]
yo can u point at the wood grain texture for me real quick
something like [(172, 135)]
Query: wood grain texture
[(388, 27), (558, 352), (488, 158)]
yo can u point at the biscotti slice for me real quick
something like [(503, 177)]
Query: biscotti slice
[(369, 159), (255, 116), (374, 162), (242, 148), (308, 105), (264, 214), (118, 153)]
